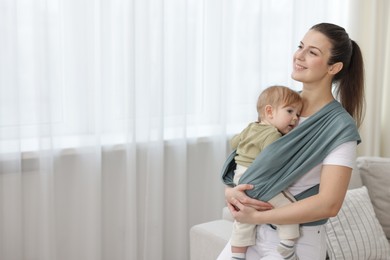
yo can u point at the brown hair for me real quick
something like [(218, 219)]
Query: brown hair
[(276, 96), (349, 82)]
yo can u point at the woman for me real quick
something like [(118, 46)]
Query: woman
[(326, 55)]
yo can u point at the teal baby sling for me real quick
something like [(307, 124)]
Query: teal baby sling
[(291, 156)]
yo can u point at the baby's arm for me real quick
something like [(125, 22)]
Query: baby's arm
[(235, 141)]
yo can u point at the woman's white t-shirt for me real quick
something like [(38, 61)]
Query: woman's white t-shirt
[(343, 155)]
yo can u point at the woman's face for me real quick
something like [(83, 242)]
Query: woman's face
[(310, 61)]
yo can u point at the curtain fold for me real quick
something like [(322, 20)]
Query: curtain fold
[(115, 116)]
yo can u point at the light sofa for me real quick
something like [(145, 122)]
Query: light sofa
[(360, 231)]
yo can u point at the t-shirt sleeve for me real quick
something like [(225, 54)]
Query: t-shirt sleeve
[(270, 139), (235, 141), (342, 155)]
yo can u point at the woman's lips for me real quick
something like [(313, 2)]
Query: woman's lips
[(299, 67)]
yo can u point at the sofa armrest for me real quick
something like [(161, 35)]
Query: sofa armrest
[(208, 239)]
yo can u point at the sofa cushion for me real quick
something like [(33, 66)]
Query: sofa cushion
[(355, 233), (356, 181), (375, 175)]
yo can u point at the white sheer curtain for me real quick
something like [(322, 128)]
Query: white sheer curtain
[(115, 115), (370, 26)]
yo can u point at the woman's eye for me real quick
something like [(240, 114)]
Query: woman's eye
[(312, 52)]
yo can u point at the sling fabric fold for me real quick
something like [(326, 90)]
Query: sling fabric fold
[(288, 158)]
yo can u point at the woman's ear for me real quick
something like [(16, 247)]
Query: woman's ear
[(335, 68)]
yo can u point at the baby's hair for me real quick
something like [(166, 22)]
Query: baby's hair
[(276, 96)]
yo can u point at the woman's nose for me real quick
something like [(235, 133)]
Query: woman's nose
[(300, 54)]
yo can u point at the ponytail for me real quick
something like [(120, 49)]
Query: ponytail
[(350, 89)]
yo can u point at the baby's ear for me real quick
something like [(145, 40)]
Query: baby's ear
[(268, 111)]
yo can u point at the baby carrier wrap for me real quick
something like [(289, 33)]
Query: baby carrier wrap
[(291, 156)]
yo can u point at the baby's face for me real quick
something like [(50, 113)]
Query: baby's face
[(285, 118)]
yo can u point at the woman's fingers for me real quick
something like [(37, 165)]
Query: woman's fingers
[(238, 192), (244, 187), (237, 204), (260, 205), (234, 205), (231, 207)]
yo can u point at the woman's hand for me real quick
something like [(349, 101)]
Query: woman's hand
[(244, 214), (238, 193)]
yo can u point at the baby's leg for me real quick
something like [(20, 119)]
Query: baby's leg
[(287, 233), (239, 253), (243, 235)]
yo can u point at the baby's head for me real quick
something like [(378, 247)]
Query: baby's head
[(274, 99)]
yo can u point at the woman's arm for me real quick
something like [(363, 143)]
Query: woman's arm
[(327, 203), (238, 193)]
